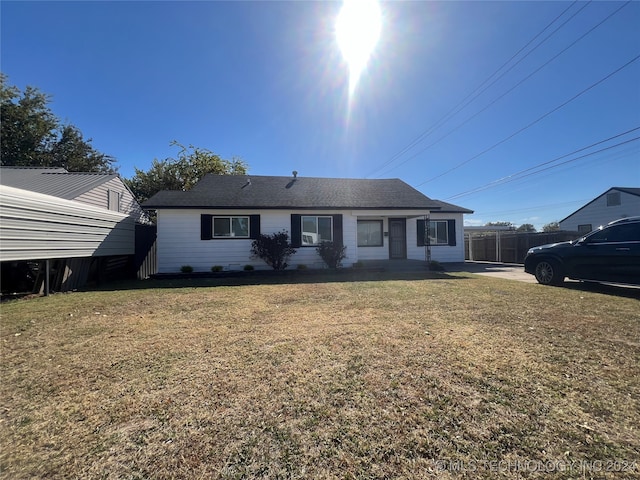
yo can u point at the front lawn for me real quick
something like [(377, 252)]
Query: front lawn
[(454, 377)]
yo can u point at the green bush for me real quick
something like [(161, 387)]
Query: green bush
[(301, 266), (217, 268), (332, 253), (358, 264), (248, 268), (274, 249), (186, 269)]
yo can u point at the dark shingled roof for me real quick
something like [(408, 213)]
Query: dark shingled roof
[(246, 191)]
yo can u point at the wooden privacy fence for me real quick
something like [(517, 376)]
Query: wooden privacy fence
[(509, 247)]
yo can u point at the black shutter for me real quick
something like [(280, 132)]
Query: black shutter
[(296, 231), (205, 227), (337, 230), (254, 226), (421, 231), (451, 227)]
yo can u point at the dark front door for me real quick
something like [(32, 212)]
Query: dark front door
[(397, 238)]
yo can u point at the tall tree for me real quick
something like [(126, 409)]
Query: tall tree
[(499, 224), (551, 227), (27, 126), (182, 173), (526, 227), (75, 154), (32, 136)]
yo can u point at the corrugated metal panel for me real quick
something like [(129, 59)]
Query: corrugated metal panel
[(63, 184), (36, 226)]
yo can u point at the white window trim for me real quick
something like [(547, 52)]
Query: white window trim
[(381, 244), (446, 226), (230, 218), (302, 233)]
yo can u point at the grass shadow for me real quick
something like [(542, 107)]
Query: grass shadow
[(626, 291), (262, 277)]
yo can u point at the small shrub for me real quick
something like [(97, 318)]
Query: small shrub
[(301, 266), (332, 253), (217, 268), (186, 269), (358, 264), (248, 268), (274, 249)]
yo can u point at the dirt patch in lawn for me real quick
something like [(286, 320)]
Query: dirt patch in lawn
[(447, 378)]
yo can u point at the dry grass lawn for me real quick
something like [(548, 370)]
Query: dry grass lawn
[(452, 377)]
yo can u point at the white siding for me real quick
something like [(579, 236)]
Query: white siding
[(36, 226), (440, 253), (99, 197), (179, 240), (598, 213)]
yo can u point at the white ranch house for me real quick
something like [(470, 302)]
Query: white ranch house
[(215, 222)]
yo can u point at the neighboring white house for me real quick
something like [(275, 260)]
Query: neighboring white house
[(216, 221), (615, 203)]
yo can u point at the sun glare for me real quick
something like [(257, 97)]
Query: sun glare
[(357, 31)]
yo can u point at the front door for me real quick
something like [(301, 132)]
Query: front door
[(397, 238)]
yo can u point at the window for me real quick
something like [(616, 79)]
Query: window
[(230, 226), (316, 230), (113, 199), (369, 233), (440, 232), (613, 199), (221, 227), (616, 234), (584, 229)]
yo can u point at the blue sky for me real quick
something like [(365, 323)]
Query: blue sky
[(265, 81)]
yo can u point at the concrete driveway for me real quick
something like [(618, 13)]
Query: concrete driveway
[(509, 271)]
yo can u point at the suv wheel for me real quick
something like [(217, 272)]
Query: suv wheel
[(548, 273)]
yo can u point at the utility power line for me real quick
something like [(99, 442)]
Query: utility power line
[(534, 170), (531, 124), (500, 97), (456, 109)]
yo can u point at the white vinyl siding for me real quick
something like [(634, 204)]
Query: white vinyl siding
[(179, 240), (440, 253), (101, 197), (599, 212)]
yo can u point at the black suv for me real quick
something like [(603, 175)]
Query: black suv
[(608, 254)]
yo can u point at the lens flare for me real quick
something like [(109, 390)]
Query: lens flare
[(357, 31)]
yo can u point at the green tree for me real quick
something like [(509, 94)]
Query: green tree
[(32, 136), (75, 154), (551, 227), (27, 126), (182, 173), (499, 224), (526, 227)]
